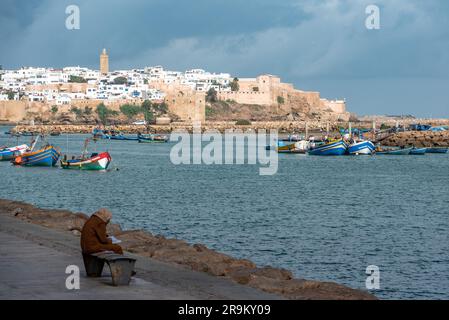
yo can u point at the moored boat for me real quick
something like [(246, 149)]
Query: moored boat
[(332, 148), (121, 137), (94, 162), (12, 152), (301, 146), (152, 138), (46, 157), (418, 151), (362, 147), (394, 151), (437, 150)]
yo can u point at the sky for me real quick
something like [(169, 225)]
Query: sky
[(318, 45)]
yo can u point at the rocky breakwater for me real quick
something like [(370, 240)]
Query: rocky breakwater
[(195, 257), (419, 139), (281, 126)]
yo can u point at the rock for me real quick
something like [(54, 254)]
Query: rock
[(17, 211), (273, 273)]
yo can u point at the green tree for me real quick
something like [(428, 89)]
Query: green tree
[(11, 95), (235, 84), (130, 110), (147, 109), (54, 109), (76, 79), (77, 111), (88, 111), (120, 80), (102, 112), (280, 100), (211, 95), (160, 107)]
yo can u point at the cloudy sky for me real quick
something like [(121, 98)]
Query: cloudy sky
[(321, 45)]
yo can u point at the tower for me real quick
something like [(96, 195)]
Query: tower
[(104, 62)]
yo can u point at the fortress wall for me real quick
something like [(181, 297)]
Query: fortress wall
[(335, 106), (247, 97), (13, 111), (189, 106)]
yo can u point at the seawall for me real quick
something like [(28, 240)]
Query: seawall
[(197, 257)]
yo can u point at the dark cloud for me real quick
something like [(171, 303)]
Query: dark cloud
[(306, 42)]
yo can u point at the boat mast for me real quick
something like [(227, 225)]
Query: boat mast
[(86, 143)]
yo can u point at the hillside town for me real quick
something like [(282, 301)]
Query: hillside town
[(29, 91)]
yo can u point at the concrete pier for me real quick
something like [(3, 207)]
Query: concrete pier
[(33, 260)]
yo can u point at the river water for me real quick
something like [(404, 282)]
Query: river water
[(324, 218)]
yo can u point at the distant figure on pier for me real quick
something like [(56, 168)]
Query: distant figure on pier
[(93, 235)]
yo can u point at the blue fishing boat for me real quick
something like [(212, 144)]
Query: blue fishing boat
[(152, 138), (362, 147), (120, 137), (46, 157), (418, 151), (394, 151), (12, 152), (437, 150), (332, 148)]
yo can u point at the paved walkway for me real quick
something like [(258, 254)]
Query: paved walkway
[(33, 260)]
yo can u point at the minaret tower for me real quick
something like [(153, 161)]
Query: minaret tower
[(104, 62)]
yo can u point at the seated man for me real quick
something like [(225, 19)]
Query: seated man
[(93, 235)]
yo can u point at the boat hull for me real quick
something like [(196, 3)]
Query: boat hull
[(418, 151), (293, 147), (121, 138), (95, 163), (151, 141), (10, 153), (362, 148), (397, 152), (46, 157), (436, 150), (337, 148)]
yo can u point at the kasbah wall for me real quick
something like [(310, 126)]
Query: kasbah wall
[(182, 101), (265, 90)]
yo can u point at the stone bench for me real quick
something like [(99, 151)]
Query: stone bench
[(121, 266)]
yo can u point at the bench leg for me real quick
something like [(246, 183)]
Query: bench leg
[(121, 271), (93, 265)]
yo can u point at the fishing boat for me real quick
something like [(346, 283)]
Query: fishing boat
[(393, 151), (46, 157), (55, 134), (152, 138), (361, 147), (437, 150), (96, 161), (120, 137), (331, 148), (29, 134), (12, 152), (293, 147), (418, 151), (98, 134)]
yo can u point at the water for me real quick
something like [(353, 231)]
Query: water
[(323, 218)]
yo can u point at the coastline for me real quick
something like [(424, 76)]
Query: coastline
[(195, 257), (419, 139)]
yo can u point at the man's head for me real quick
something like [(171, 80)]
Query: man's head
[(104, 214)]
